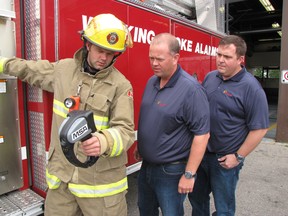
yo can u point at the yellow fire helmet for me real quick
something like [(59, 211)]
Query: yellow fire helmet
[(108, 32)]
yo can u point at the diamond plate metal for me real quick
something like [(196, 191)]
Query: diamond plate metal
[(26, 199), (22, 203), (8, 208), (32, 30), (38, 149), (33, 42), (35, 94), (220, 15)]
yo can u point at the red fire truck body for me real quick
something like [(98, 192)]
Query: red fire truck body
[(50, 30)]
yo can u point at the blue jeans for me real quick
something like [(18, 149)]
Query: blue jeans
[(158, 187), (212, 177)]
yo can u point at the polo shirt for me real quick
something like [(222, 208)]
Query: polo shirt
[(170, 117), (237, 106)]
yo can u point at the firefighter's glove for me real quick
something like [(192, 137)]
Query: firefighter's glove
[(2, 61)]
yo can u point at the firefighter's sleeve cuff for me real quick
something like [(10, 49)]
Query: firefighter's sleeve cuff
[(103, 142)]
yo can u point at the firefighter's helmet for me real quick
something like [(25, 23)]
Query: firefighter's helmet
[(108, 32)]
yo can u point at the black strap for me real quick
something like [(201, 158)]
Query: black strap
[(68, 151)]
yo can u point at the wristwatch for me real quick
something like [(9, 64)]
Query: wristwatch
[(239, 157), (190, 175)]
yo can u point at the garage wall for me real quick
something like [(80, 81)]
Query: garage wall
[(263, 59)]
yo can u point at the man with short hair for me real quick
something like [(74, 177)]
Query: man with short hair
[(173, 131), (239, 120)]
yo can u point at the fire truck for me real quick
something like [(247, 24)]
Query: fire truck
[(49, 29)]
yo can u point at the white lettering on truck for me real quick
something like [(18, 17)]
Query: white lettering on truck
[(185, 44), (145, 36), (205, 49), (142, 35)]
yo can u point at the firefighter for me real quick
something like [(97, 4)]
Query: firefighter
[(91, 76)]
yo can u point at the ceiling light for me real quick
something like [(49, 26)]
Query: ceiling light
[(279, 33), (276, 25), (267, 5)]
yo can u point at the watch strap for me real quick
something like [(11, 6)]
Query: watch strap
[(239, 157)]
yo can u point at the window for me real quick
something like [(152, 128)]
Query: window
[(266, 73)]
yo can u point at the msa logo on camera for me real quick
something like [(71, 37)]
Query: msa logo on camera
[(79, 132)]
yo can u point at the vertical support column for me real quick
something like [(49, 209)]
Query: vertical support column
[(282, 114)]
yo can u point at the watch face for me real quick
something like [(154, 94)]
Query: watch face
[(188, 175), (239, 157)]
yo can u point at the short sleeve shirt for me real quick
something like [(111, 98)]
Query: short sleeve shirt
[(237, 106), (170, 117)]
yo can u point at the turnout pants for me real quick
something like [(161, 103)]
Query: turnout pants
[(61, 202)]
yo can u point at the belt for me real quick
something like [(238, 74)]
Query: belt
[(178, 162), (184, 161)]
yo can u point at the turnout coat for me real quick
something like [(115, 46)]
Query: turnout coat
[(109, 95)]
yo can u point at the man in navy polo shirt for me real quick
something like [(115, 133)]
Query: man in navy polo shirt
[(239, 120), (173, 131)]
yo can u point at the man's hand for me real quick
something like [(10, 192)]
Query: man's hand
[(228, 161), (186, 185), (91, 147)]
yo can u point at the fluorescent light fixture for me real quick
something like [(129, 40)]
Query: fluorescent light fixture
[(279, 33), (276, 25), (267, 5)]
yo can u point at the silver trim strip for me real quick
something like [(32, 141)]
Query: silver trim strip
[(133, 168)]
